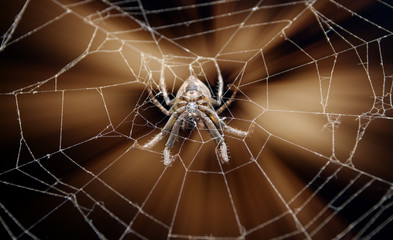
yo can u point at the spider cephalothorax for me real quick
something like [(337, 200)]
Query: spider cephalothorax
[(192, 107)]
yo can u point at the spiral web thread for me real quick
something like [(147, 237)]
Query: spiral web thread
[(314, 82)]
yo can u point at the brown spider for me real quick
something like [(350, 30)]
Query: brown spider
[(193, 106)]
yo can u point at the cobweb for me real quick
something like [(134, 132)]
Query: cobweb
[(314, 81)]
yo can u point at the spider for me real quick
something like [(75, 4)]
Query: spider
[(192, 107)]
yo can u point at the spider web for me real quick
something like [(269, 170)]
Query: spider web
[(315, 88)]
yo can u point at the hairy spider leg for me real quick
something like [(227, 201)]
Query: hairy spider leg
[(212, 115), (228, 102), (215, 134), (167, 128), (162, 108), (218, 100), (157, 103), (163, 87), (168, 159), (222, 125), (234, 131)]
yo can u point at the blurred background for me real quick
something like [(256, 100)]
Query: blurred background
[(314, 82)]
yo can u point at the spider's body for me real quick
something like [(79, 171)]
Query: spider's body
[(193, 107), (192, 93)]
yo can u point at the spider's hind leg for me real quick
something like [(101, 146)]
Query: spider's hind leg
[(168, 159), (223, 152), (234, 131), (153, 141)]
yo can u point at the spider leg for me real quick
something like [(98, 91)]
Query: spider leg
[(218, 100), (234, 131), (228, 102), (163, 87), (168, 159), (212, 115), (220, 84), (161, 134), (221, 124), (167, 128), (157, 103), (215, 134)]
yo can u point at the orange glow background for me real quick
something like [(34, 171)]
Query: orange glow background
[(77, 88)]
